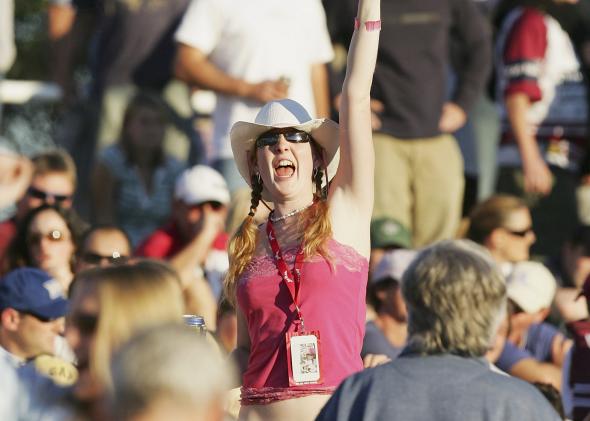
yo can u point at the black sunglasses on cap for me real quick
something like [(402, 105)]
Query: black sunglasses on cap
[(272, 138), (42, 195)]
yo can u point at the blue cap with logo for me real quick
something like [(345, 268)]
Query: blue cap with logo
[(33, 291)]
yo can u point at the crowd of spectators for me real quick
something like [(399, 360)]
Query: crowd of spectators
[(477, 287)]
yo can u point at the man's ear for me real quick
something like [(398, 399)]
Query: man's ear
[(10, 319), (495, 239)]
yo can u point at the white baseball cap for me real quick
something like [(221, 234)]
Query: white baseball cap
[(201, 184), (531, 286), (393, 264)]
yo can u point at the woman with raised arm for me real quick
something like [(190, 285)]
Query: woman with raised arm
[(299, 279)]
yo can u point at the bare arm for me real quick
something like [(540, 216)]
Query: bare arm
[(195, 68), (559, 349), (67, 31), (321, 91), (199, 299), (195, 253), (352, 189), (533, 371), (537, 176)]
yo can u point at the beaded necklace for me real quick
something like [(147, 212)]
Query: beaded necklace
[(288, 215)]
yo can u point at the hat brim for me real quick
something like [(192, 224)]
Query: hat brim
[(56, 309), (325, 133)]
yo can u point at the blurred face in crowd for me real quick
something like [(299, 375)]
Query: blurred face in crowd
[(104, 247), (145, 128), (51, 188), (512, 242), (190, 218), (50, 242), (392, 301), (30, 335), (81, 333)]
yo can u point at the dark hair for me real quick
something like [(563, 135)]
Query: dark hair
[(18, 253), (553, 396), (142, 100), (581, 237), (102, 227), (490, 215), (55, 161), (373, 289)]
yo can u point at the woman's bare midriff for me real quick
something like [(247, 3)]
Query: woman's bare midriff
[(298, 409)]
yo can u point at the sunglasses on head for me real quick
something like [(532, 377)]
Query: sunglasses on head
[(53, 236), (40, 194), (521, 233), (114, 259), (272, 138)]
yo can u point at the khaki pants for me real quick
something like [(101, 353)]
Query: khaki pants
[(420, 183)]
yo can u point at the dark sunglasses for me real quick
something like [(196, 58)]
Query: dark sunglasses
[(84, 322), (522, 233), (272, 138), (214, 205), (36, 316), (40, 194), (114, 259), (53, 236)]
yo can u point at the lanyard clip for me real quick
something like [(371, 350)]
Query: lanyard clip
[(300, 317)]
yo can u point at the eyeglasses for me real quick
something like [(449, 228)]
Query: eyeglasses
[(86, 323), (40, 194), (96, 259), (522, 233), (272, 138), (54, 236)]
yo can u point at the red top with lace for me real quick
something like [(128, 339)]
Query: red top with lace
[(332, 300)]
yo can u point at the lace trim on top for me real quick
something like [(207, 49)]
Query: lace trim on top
[(340, 255), (266, 395)]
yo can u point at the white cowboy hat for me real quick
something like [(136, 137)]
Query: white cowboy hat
[(279, 114)]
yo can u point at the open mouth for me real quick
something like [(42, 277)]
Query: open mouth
[(285, 168)]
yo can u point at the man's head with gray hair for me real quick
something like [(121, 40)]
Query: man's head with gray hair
[(169, 372), (456, 298)]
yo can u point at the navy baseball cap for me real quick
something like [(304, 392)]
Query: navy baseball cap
[(33, 291)]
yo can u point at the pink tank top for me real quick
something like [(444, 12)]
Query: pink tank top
[(332, 300)]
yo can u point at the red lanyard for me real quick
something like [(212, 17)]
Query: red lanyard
[(292, 279)]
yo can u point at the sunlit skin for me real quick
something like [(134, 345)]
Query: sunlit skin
[(104, 243), (289, 190), (508, 247), (56, 183), (190, 218), (83, 303), (34, 337), (51, 256)]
